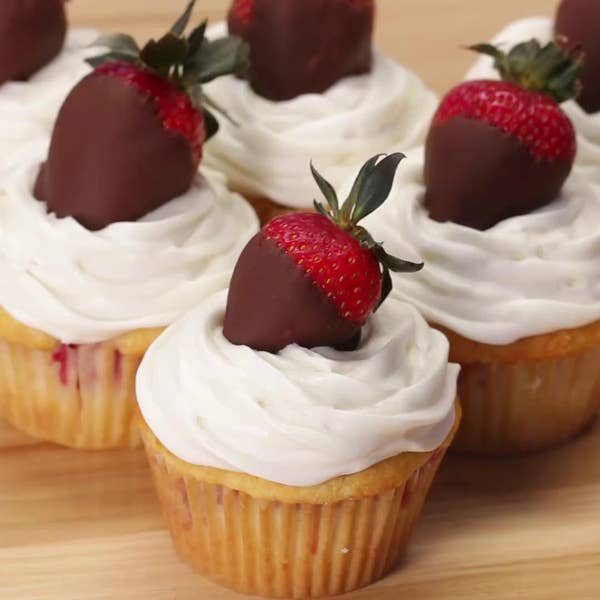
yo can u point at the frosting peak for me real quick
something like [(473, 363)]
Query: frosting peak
[(82, 287), (299, 417), (386, 110), (528, 275)]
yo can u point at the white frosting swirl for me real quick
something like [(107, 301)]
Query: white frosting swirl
[(28, 109), (527, 275), (300, 417), (268, 153), (82, 286), (587, 125)]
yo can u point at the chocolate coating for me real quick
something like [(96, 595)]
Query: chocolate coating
[(579, 22), (305, 46), (477, 175), (273, 304), (111, 159), (32, 33)]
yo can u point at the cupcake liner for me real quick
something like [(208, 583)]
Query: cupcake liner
[(79, 396), (527, 405), (268, 547)]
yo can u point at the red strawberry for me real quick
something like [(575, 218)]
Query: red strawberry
[(497, 149), (242, 11), (313, 279), (303, 46), (32, 33), (577, 27), (129, 137)]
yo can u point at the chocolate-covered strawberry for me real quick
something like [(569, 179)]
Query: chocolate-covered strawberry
[(130, 135), (313, 279), (32, 33), (577, 26), (498, 149), (303, 46)]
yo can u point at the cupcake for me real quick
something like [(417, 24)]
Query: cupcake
[(316, 90), (286, 467), (109, 240), (576, 24), (39, 64), (511, 257)]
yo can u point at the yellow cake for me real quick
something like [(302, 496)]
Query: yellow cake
[(268, 539), (80, 396), (529, 395)]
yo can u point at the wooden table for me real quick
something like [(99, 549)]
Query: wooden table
[(86, 526)]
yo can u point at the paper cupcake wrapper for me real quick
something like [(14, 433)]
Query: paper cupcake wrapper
[(78, 396), (512, 408), (286, 550)]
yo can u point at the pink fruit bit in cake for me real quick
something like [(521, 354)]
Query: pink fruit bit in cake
[(63, 355)]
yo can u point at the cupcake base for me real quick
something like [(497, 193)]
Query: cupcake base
[(529, 396), (266, 539), (78, 396)]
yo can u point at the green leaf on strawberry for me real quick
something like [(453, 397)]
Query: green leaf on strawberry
[(187, 62), (547, 69), (370, 190)]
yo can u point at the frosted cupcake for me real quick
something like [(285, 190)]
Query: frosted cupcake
[(576, 24), (110, 239), (285, 467), (316, 90), (40, 62), (511, 255)]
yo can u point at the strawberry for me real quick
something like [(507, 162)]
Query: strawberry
[(576, 27), (313, 279), (32, 33), (303, 46), (497, 149), (243, 11), (130, 135)]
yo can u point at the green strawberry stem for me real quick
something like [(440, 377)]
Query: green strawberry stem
[(545, 69), (370, 190), (187, 62)]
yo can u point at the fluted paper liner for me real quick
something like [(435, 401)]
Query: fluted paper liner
[(79, 396), (528, 396), (253, 542)]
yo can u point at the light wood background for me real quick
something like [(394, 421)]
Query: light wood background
[(86, 526)]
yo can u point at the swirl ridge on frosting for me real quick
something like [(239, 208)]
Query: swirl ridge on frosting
[(587, 125), (84, 286), (267, 153), (299, 417), (528, 275)]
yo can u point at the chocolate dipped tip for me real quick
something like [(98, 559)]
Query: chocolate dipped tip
[(577, 25), (476, 175), (130, 136), (32, 33), (272, 304), (111, 159), (303, 46), (314, 279)]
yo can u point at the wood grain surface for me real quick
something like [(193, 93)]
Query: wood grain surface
[(86, 526)]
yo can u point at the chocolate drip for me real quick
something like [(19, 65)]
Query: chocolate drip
[(32, 33), (111, 159), (477, 175), (273, 304), (305, 46)]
